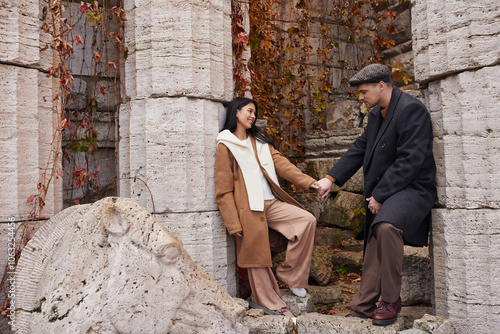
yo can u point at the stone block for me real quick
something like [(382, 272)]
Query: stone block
[(330, 144), (19, 32), (179, 48), (311, 201), (433, 324), (325, 294), (344, 114), (321, 265), (268, 324), (112, 267), (467, 138), (27, 130), (416, 282), (313, 323), (453, 36), (465, 243), (171, 144), (297, 305), (333, 237), (209, 246), (352, 259), (344, 211)]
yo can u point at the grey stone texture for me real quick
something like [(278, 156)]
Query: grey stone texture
[(269, 324), (112, 267), (325, 294), (26, 129), (417, 279), (321, 265), (451, 36), (467, 285), (179, 48), (314, 323), (344, 211), (467, 138), (297, 305)]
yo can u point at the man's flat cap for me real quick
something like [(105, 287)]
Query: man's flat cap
[(371, 74)]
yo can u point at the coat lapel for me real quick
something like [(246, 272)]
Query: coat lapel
[(396, 94)]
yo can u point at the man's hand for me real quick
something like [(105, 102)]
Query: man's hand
[(325, 185), (373, 205)]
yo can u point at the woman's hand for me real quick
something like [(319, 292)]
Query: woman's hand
[(314, 185), (239, 234)]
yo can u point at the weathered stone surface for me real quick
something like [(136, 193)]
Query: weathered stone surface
[(325, 294), (269, 324), (311, 201), (417, 285), (321, 265), (179, 48), (111, 267), (170, 142), (19, 32), (451, 36), (348, 258), (410, 313), (209, 246), (433, 324), (297, 305), (329, 144), (344, 211), (344, 114), (467, 140), (465, 243), (26, 132), (318, 168), (314, 323), (332, 237)]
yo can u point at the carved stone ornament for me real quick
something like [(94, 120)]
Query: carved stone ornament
[(110, 267)]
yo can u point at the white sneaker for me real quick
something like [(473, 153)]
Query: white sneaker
[(300, 292)]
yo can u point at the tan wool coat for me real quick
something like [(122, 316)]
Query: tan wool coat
[(254, 249)]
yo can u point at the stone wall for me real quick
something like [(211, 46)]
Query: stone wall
[(27, 120), (457, 56), (177, 74)]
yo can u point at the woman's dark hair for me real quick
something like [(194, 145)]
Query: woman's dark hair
[(231, 120)]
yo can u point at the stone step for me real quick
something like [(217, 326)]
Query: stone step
[(330, 144)]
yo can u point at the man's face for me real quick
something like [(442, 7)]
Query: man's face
[(370, 94)]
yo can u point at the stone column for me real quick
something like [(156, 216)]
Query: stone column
[(177, 74), (457, 54), (27, 121)]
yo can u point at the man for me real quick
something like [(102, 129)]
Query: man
[(395, 151)]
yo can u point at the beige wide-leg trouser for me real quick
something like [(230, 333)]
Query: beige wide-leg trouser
[(299, 227)]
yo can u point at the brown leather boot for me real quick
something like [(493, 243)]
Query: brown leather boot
[(386, 313)]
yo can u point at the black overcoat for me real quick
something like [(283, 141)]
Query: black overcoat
[(398, 167)]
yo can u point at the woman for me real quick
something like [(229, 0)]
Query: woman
[(251, 202)]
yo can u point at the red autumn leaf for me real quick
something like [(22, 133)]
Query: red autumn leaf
[(111, 64), (78, 40), (31, 198), (97, 56), (77, 202), (102, 90)]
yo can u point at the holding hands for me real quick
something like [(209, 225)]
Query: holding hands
[(324, 187)]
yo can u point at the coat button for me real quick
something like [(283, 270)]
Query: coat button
[(383, 145), (262, 218)]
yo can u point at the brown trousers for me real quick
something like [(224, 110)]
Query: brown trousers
[(382, 266), (299, 227)]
